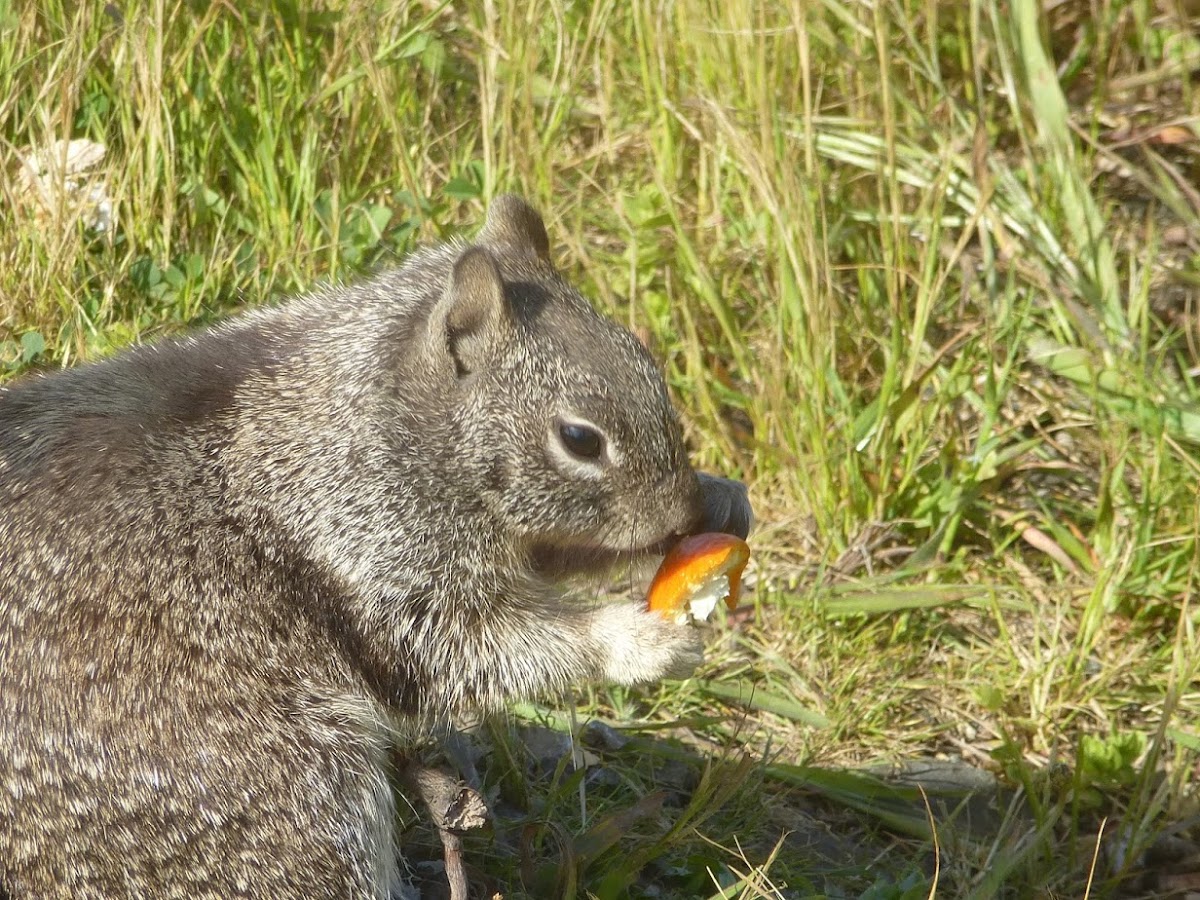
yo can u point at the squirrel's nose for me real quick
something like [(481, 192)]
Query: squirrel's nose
[(726, 505)]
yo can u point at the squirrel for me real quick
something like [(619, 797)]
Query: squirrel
[(238, 568)]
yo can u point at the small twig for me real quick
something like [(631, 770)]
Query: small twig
[(455, 808)]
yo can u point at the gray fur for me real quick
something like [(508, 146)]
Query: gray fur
[(237, 569)]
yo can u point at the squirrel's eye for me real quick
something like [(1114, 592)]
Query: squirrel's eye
[(581, 441)]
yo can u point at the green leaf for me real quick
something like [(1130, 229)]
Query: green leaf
[(1185, 739), (174, 277), (1084, 221), (193, 266), (874, 601), (899, 808), (33, 345), (459, 188), (763, 698), (1109, 761), (378, 216)]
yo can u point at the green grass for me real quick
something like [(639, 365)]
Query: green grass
[(922, 273)]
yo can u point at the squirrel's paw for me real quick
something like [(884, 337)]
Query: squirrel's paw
[(644, 646)]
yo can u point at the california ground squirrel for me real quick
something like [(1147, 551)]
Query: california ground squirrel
[(236, 568)]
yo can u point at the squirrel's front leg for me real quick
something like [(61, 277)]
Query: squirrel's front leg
[(639, 646), (538, 651)]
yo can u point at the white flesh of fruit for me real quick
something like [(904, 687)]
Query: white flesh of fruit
[(704, 600)]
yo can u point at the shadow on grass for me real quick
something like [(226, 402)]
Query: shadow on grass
[(637, 812)]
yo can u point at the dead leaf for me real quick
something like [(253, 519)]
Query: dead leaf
[(66, 178), (1172, 134)]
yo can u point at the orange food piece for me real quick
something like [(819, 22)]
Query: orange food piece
[(695, 566)]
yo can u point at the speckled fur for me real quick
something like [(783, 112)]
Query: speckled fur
[(235, 569)]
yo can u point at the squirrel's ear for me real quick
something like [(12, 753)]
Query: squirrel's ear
[(513, 223), (473, 316)]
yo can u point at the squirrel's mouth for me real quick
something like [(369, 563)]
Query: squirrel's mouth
[(558, 561)]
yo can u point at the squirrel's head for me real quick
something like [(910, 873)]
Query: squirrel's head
[(569, 437)]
